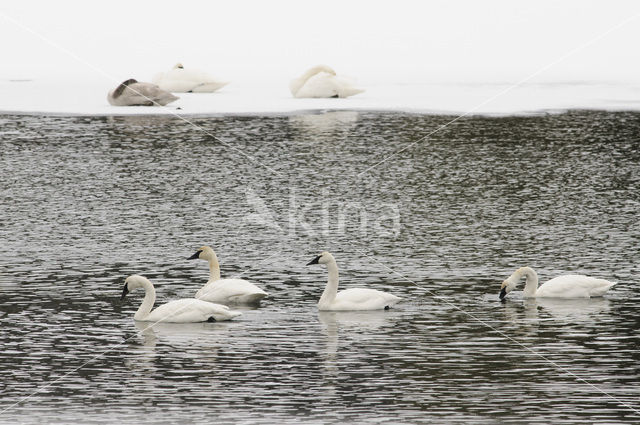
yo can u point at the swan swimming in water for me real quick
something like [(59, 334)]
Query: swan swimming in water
[(226, 291), (181, 80), (186, 310), (134, 93), (322, 81), (565, 286), (349, 299)]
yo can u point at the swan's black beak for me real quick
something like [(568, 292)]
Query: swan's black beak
[(314, 261), (125, 291), (195, 256), (503, 293)]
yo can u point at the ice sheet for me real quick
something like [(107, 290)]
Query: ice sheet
[(88, 97)]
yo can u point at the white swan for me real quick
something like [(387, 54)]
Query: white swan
[(180, 80), (565, 286), (227, 291), (322, 81), (134, 93), (186, 310), (349, 299)]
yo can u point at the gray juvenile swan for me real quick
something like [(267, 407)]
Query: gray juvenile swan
[(133, 93)]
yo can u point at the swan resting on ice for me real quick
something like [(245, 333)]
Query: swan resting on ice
[(134, 93), (349, 299), (186, 310), (226, 291), (181, 80), (565, 286), (322, 81)]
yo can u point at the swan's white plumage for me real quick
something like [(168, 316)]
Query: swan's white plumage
[(349, 299), (231, 291), (226, 291), (360, 299), (189, 310), (135, 93), (181, 80), (322, 82), (186, 310), (565, 286)]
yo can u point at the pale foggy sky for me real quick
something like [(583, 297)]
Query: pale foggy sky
[(394, 41)]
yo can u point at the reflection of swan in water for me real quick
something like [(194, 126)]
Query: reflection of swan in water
[(330, 353), (201, 334), (184, 340), (533, 310), (326, 122), (348, 325), (353, 320), (580, 308)]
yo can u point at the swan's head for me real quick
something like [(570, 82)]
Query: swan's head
[(132, 282), (508, 285), (203, 253), (324, 258), (123, 85), (178, 66)]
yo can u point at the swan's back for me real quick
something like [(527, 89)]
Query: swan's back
[(134, 93), (574, 286), (325, 85), (361, 299), (179, 80), (190, 310), (320, 85), (231, 291)]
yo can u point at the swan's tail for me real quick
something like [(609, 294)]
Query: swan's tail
[(253, 298), (209, 87), (223, 315), (602, 288), (349, 91)]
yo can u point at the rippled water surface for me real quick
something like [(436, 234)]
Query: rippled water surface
[(87, 201)]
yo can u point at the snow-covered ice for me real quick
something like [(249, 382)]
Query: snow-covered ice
[(89, 98), (452, 57)]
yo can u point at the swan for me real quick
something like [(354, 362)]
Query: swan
[(180, 80), (227, 291), (565, 286), (134, 93), (186, 310), (349, 299), (322, 81)]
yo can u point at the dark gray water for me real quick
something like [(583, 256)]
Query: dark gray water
[(87, 201)]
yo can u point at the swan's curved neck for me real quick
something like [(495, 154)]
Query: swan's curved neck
[(331, 290), (147, 302), (316, 70), (297, 83), (214, 267), (531, 281)]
